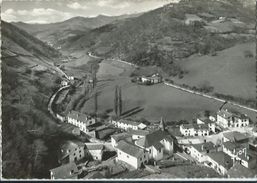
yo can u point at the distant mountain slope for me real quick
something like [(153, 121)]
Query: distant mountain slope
[(20, 42), (55, 32), (160, 37)]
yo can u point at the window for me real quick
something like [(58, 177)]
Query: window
[(149, 150), (120, 152), (140, 159)]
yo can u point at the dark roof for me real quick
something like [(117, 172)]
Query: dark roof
[(158, 146), (238, 171), (235, 136), (130, 149), (94, 175), (222, 159), (138, 132), (196, 126), (153, 138), (234, 146), (206, 120), (129, 122), (120, 136), (95, 147), (204, 146), (65, 171)]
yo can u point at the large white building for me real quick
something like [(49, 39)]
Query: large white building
[(231, 119), (211, 124), (80, 120), (131, 154), (195, 129), (127, 124)]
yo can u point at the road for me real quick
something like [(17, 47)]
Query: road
[(209, 96)]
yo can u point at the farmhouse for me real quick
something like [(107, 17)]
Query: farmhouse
[(71, 151), (80, 120), (200, 151), (231, 119), (96, 151), (121, 136), (154, 79), (220, 162), (67, 171), (131, 154), (194, 129), (156, 143)]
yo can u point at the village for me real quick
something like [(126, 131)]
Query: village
[(225, 141)]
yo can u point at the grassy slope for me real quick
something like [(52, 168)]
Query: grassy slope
[(229, 72), (30, 137)]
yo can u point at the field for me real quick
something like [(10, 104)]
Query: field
[(157, 100), (229, 72)]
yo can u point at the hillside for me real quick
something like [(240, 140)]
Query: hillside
[(56, 32), (160, 37), (30, 136)]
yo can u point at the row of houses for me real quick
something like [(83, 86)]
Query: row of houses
[(128, 124), (206, 125), (235, 149), (138, 147)]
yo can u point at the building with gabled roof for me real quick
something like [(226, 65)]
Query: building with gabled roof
[(121, 136), (211, 124), (220, 162), (137, 134), (71, 151), (126, 124), (200, 151), (227, 119), (156, 143), (80, 120), (194, 129), (67, 171), (235, 136), (96, 151), (131, 154)]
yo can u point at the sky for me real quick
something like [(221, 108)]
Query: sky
[(50, 11)]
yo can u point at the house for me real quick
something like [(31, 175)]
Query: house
[(235, 136), (67, 171), (80, 120), (96, 151), (121, 136), (191, 19), (231, 119), (64, 83), (131, 154), (253, 144), (156, 143), (211, 124), (137, 134), (219, 161), (199, 151), (126, 124), (71, 151), (154, 79), (239, 171), (195, 129), (70, 129)]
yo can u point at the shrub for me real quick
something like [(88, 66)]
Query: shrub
[(248, 54)]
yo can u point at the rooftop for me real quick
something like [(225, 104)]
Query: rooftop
[(120, 136), (235, 146), (227, 114), (65, 171), (196, 126), (79, 116), (138, 132), (129, 122), (153, 138), (239, 171), (222, 159), (235, 136), (95, 147), (204, 146), (130, 148)]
